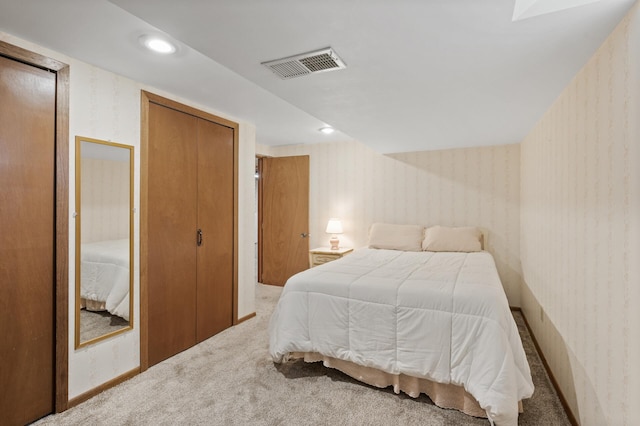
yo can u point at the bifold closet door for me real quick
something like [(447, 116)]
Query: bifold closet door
[(215, 220), (172, 204), (190, 230), (27, 154)]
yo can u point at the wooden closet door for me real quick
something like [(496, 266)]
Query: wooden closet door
[(27, 183), (172, 201), (215, 219)]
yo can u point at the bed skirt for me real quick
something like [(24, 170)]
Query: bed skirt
[(92, 305), (443, 395)]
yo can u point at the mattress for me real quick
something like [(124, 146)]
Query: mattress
[(438, 316), (104, 271)]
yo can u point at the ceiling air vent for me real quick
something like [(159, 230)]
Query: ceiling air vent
[(307, 63)]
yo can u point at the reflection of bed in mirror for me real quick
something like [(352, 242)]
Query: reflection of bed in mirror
[(104, 273)]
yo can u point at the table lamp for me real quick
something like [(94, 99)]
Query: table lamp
[(334, 227)]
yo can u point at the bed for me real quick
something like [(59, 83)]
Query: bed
[(436, 322), (104, 270)]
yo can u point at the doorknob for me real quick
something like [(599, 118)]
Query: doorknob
[(304, 235), (199, 240)]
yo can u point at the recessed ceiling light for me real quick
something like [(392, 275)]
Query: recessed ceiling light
[(157, 44), (327, 130)]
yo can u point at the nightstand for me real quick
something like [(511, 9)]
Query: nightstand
[(325, 254)]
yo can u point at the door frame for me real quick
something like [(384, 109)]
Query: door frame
[(61, 212), (259, 218), (146, 98)]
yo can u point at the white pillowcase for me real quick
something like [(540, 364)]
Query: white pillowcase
[(441, 238), (396, 237)]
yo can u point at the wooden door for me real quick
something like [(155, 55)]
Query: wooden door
[(284, 217), (172, 218), (27, 153), (191, 230), (215, 222)]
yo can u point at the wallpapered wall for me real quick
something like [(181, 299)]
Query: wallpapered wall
[(459, 187), (106, 106), (580, 232), (105, 200), (103, 106)]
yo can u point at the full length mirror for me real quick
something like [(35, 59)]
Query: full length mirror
[(104, 239)]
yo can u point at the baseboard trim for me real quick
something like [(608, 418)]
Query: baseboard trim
[(103, 387), (246, 318), (563, 400)]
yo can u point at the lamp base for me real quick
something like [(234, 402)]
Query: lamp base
[(334, 241)]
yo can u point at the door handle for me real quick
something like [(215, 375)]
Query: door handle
[(304, 235), (199, 240)]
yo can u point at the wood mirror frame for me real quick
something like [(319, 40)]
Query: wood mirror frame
[(104, 240)]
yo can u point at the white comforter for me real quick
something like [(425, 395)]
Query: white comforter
[(440, 316), (104, 272)]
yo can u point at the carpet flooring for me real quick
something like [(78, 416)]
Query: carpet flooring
[(96, 324), (230, 380)]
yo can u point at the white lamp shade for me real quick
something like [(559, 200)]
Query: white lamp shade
[(334, 226)]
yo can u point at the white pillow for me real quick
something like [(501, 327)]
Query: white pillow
[(396, 237), (441, 238)]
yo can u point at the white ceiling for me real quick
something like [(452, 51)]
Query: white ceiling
[(421, 74)]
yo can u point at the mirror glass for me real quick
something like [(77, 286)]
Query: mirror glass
[(104, 239)]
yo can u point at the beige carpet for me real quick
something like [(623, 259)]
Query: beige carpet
[(96, 324), (231, 380)]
